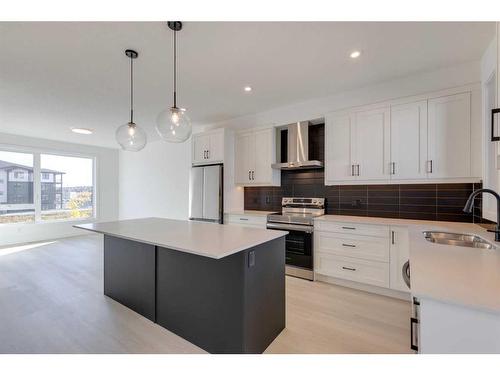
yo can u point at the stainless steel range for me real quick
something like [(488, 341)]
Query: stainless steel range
[(297, 215)]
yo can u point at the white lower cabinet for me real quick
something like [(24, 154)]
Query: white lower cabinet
[(399, 256), (247, 220), (354, 269), (364, 253)]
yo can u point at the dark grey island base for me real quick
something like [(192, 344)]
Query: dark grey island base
[(235, 304)]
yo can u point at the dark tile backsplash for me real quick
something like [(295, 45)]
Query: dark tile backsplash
[(443, 202)]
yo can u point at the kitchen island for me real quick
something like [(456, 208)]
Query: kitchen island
[(220, 287)]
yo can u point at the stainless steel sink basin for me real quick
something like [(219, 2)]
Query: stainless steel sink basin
[(458, 239)]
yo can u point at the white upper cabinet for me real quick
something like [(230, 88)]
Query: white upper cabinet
[(208, 147), (242, 164), (357, 146), (426, 139), (255, 152), (371, 144), (449, 154), (408, 141), (338, 153)]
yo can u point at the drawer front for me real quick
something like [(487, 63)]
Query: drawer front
[(350, 228), (362, 247), (362, 271), (247, 220)]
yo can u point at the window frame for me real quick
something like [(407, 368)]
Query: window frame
[(37, 183)]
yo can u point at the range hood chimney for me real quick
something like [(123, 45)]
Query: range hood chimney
[(298, 148)]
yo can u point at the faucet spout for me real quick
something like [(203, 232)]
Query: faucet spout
[(470, 203)]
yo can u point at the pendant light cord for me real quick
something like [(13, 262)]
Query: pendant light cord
[(175, 69), (131, 90)]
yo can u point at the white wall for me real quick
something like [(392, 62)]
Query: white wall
[(155, 180), (407, 86), (106, 190)]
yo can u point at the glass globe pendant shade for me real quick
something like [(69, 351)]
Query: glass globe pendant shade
[(131, 137), (173, 125)]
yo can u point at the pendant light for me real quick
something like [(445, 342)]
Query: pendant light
[(173, 125), (130, 136)]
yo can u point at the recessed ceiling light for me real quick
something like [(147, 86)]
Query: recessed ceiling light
[(82, 131), (355, 54), (247, 88)]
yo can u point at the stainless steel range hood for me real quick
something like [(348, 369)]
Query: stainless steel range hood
[(298, 148)]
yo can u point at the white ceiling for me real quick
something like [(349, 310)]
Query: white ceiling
[(54, 76)]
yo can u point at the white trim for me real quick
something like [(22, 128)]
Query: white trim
[(408, 99), (401, 182), (37, 152), (364, 287)]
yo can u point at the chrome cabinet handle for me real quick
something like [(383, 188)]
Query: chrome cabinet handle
[(392, 237), (351, 228), (357, 166), (253, 175), (348, 245), (243, 218), (349, 268), (393, 168), (249, 175), (208, 154), (352, 169)]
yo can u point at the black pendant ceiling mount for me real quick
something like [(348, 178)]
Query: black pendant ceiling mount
[(175, 25), (129, 136)]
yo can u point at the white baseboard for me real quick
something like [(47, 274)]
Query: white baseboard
[(364, 287)]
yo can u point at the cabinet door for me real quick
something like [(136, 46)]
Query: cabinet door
[(399, 255), (372, 139), (263, 142), (216, 147), (242, 155), (449, 136), (409, 141), (339, 149), (200, 146)]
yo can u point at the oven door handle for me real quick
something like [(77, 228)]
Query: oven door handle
[(298, 228)]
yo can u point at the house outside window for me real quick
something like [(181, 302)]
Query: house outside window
[(66, 187)]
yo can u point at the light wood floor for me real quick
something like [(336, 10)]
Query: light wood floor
[(51, 301)]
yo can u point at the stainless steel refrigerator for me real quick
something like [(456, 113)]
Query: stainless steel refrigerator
[(205, 194)]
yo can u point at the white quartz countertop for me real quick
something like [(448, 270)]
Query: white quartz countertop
[(454, 274), (205, 239)]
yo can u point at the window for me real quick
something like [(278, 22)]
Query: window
[(67, 185), (16, 200), (63, 191)]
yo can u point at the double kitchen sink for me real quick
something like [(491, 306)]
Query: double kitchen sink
[(458, 239)]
